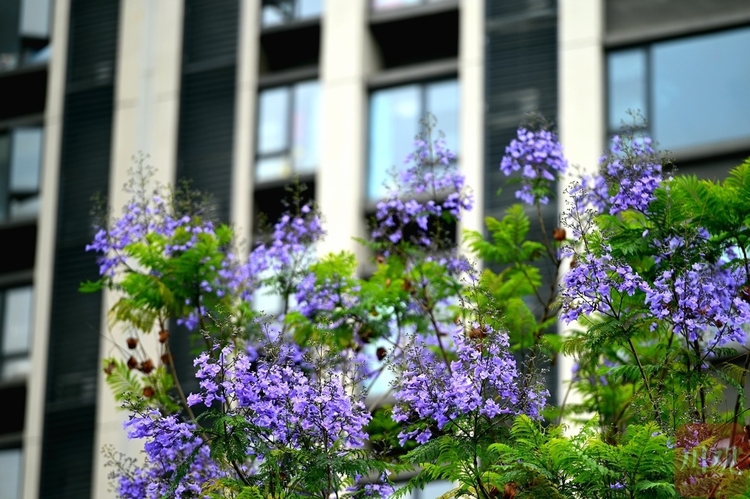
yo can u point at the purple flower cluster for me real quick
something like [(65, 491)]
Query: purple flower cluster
[(429, 188), (539, 156), (139, 219), (169, 443), (632, 166), (589, 283), (331, 294), (289, 244), (702, 300), (288, 403), (483, 380)]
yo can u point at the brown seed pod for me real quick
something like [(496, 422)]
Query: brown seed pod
[(132, 363), (558, 234), (388, 282), (745, 293), (509, 491), (406, 286), (380, 259), (147, 366), (166, 359), (381, 353), (148, 392), (132, 342), (110, 368), (163, 336), (478, 333)]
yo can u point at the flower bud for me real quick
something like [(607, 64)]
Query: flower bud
[(132, 342)]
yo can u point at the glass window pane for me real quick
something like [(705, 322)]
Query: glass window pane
[(4, 174), (310, 8), (394, 123), (35, 18), (10, 473), (273, 120), (15, 368), (276, 12), (442, 101), (26, 158), (306, 122), (17, 310), (700, 89), (392, 4), (273, 168), (626, 81), (26, 207)]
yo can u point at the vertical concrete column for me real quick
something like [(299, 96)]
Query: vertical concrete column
[(45, 252), (145, 121), (244, 128), (341, 173), (471, 106), (581, 101)]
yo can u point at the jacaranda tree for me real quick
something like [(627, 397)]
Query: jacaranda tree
[(654, 308)]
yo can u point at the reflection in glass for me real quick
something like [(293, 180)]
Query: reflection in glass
[(10, 473), (700, 89), (393, 4), (626, 74), (306, 127), (394, 122), (17, 310), (273, 120), (283, 11), (442, 102), (288, 131)]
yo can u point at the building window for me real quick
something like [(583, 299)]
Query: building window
[(396, 4), (691, 91), (10, 473), (288, 131), (16, 305), (20, 162), (275, 12), (24, 33), (395, 114)]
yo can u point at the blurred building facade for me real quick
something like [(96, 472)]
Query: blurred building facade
[(243, 95)]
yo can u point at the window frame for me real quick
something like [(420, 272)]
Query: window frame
[(6, 285), (288, 150), (722, 147), (7, 194), (295, 18), (405, 78)]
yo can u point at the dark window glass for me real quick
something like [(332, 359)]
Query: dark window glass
[(288, 131), (17, 307), (20, 162), (394, 123), (276, 12), (692, 91)]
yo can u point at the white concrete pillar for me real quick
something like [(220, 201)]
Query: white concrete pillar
[(243, 162), (581, 106), (145, 121), (45, 252), (471, 107), (340, 180)]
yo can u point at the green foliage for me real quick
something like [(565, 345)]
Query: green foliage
[(545, 463)]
